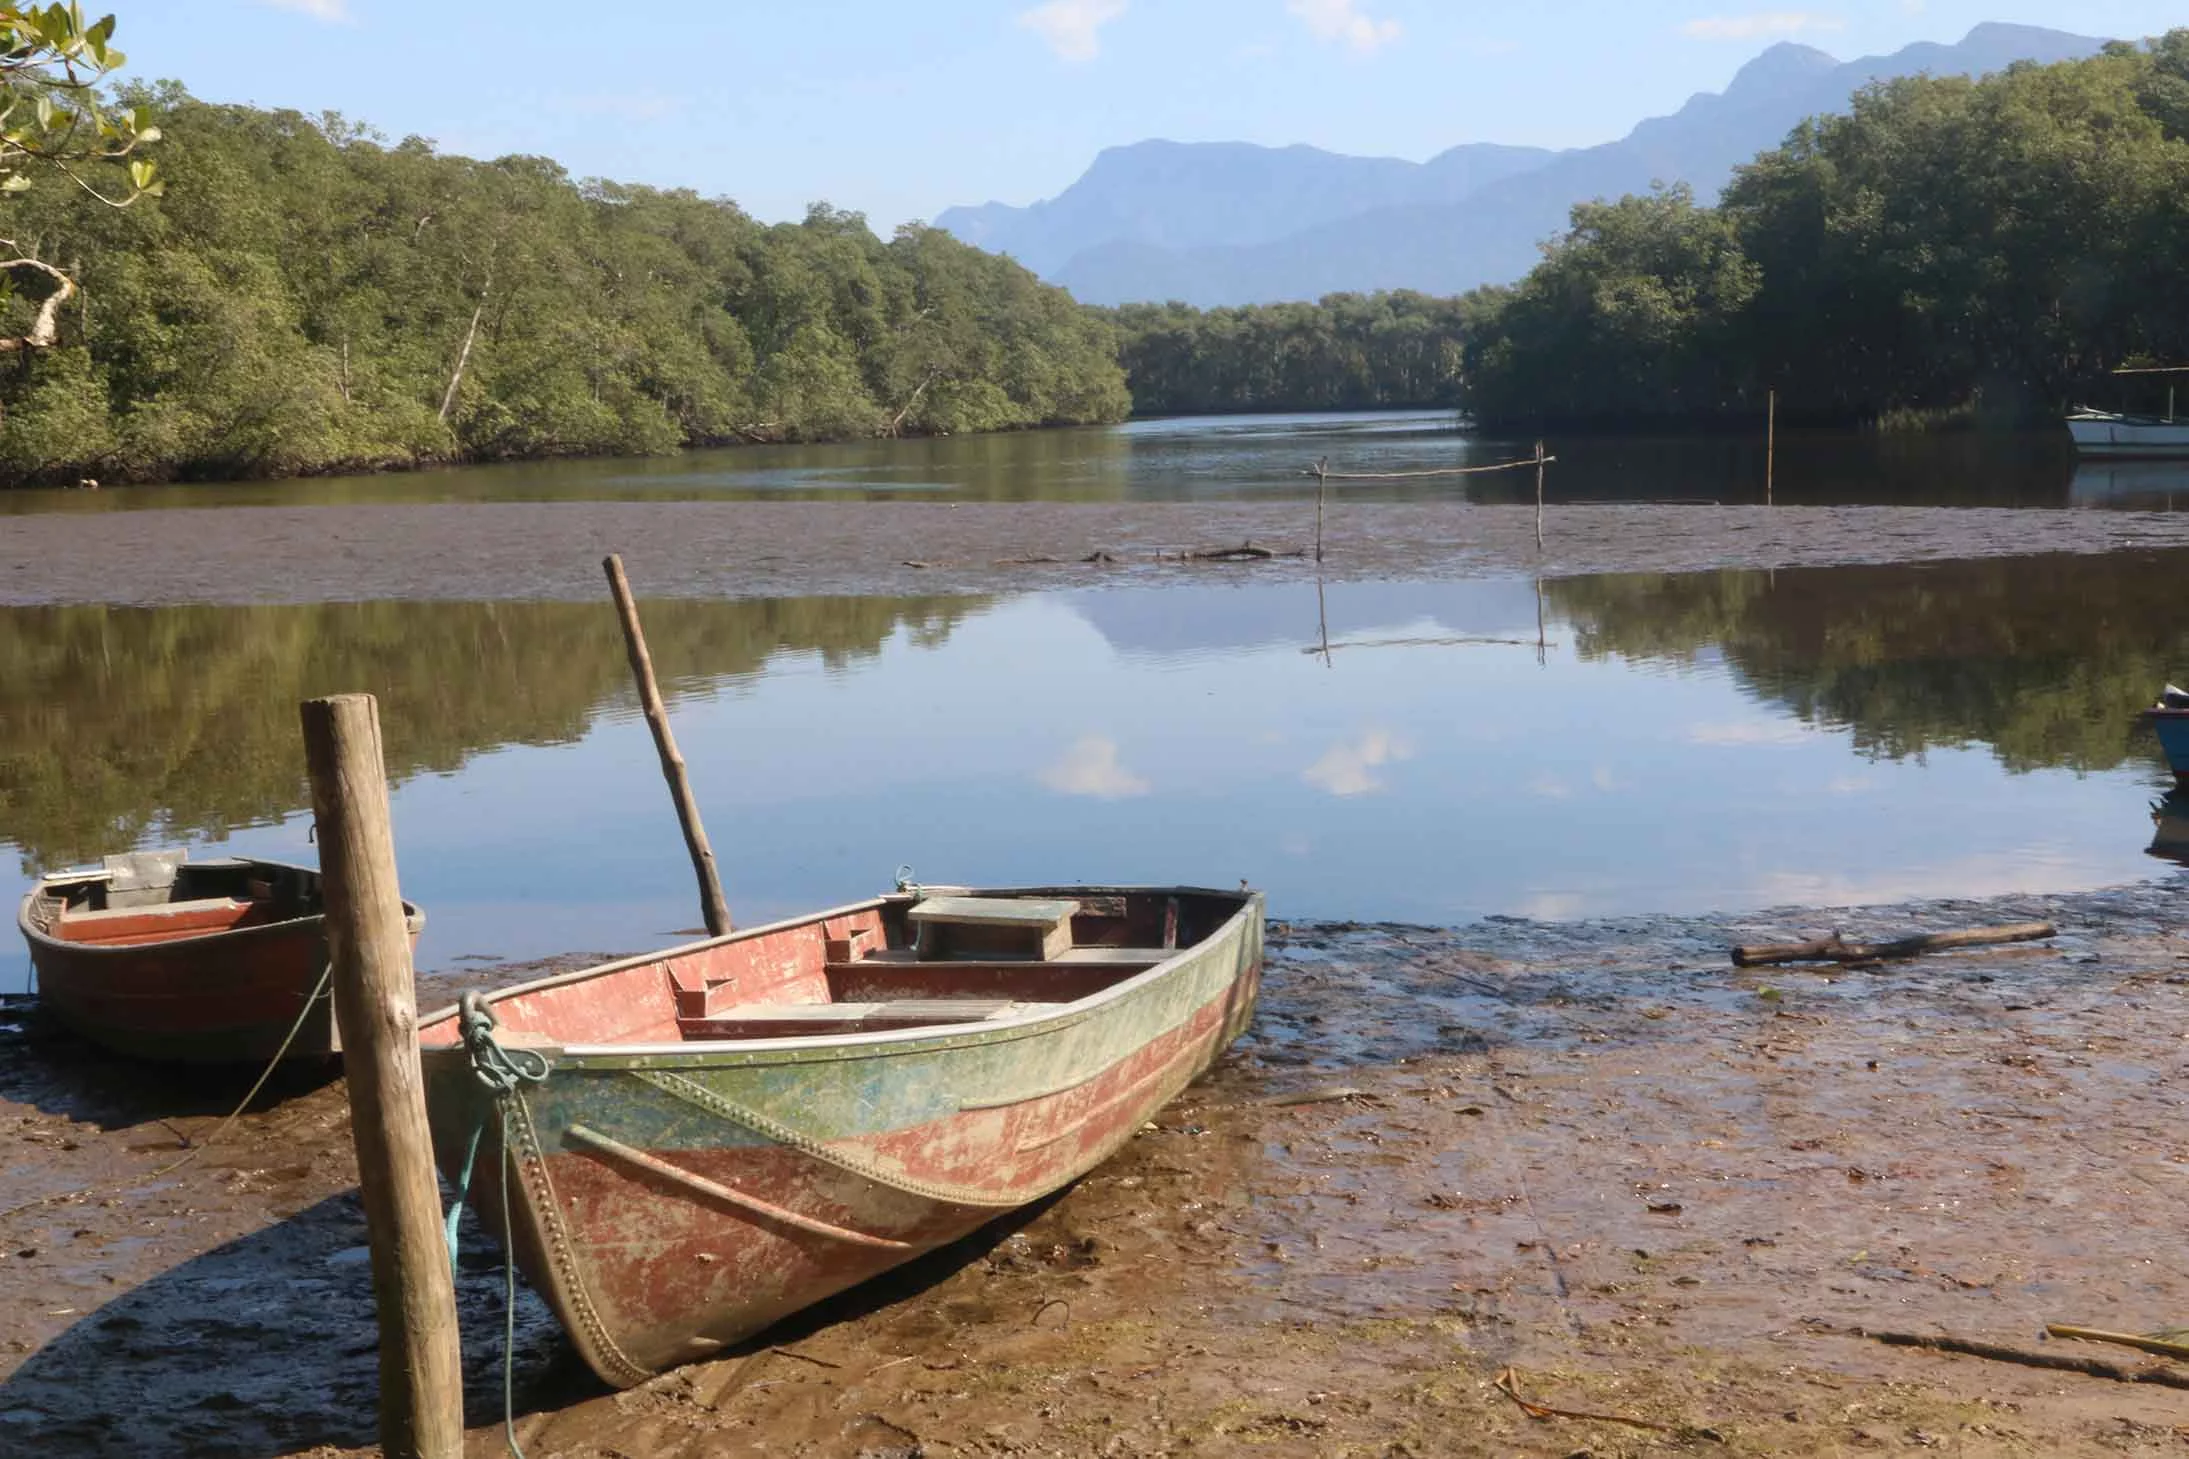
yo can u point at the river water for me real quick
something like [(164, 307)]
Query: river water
[(1432, 752)]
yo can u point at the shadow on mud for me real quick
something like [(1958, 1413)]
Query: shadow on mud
[(56, 1072), (268, 1345)]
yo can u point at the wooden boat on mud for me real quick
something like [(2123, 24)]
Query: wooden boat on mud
[(708, 1139), (211, 962)]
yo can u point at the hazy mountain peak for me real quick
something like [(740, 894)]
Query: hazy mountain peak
[(1784, 64)]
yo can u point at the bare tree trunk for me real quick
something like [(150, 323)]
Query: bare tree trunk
[(46, 327), (463, 356), (346, 374)]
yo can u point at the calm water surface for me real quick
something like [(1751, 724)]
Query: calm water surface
[(1590, 746), (1258, 456)]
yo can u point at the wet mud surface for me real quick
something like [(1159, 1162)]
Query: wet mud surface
[(306, 554), (1649, 1184)]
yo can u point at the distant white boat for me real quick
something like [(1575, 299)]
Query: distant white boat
[(2107, 433), (2111, 433)]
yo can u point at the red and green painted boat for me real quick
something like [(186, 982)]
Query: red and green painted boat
[(206, 962), (711, 1138)]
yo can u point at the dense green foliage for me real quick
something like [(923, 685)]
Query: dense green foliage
[(2006, 241), (1349, 352), (304, 294)]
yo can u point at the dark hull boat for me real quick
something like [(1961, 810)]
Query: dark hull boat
[(160, 957), (731, 1131), (2169, 719)]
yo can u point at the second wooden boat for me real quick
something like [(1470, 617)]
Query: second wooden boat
[(209, 962), (708, 1139)]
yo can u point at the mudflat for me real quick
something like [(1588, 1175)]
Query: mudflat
[(745, 549), (1591, 1160)]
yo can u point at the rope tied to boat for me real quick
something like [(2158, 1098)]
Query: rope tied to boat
[(502, 1073), (906, 884)]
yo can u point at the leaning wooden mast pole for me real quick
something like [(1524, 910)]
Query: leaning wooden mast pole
[(712, 905)]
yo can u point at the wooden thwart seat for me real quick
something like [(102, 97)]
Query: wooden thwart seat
[(1036, 929), (153, 922), (791, 1020)]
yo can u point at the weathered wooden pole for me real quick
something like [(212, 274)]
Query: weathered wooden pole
[(712, 906), (1322, 485), (368, 944), (1539, 496), (1770, 445)]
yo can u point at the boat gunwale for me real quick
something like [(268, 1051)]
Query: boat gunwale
[(414, 920), (1040, 1019)]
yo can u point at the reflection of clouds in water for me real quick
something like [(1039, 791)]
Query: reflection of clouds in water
[(1295, 843), (1850, 785), (1090, 767), (1750, 732), (1989, 875), (1347, 768), (1604, 780), (1550, 787), (1552, 906)]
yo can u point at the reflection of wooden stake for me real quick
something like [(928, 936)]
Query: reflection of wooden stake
[(1770, 445), (1541, 647), (368, 944), (712, 905), (1539, 496), (1322, 485), (1322, 619)]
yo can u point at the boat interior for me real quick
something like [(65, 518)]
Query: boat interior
[(902, 963), (160, 896)]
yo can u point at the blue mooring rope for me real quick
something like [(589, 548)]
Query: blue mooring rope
[(501, 1072)]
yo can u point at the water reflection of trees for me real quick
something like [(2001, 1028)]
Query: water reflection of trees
[(2044, 659), (118, 721)]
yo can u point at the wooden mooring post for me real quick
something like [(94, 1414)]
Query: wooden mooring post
[(712, 905), (375, 1005)]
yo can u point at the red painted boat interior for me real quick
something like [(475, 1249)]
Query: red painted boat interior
[(847, 973), (130, 926)]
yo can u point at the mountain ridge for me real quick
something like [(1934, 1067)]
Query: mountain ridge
[(1471, 215)]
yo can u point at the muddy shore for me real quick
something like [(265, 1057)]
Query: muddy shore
[(1649, 1184), (551, 551)]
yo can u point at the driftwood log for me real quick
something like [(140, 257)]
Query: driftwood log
[(1835, 949), (2094, 1367)]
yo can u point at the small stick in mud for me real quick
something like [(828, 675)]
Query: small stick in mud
[(1508, 1383), (2155, 1345), (2095, 1367), (1835, 949)]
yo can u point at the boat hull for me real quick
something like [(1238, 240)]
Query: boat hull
[(674, 1200), (2099, 435), (2172, 728), (214, 998)]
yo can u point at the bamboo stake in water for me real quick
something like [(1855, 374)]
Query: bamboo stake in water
[(375, 1004), (1770, 445), (1539, 496), (1322, 485), (712, 906)]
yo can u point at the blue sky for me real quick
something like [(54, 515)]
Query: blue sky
[(899, 108)]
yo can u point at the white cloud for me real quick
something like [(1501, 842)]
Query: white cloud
[(1750, 732), (1760, 23), (1338, 22), (1091, 767), (1072, 28), (1550, 787), (1348, 767), (333, 12)]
